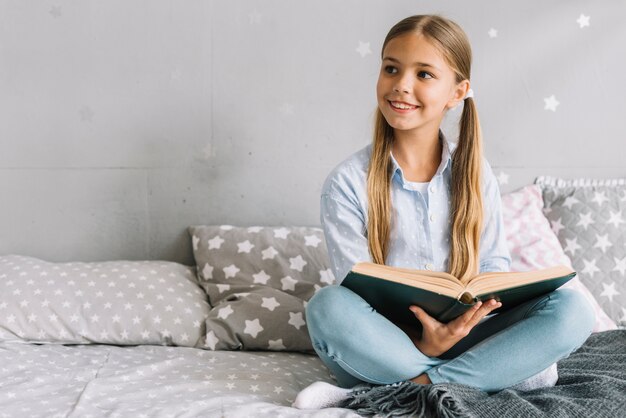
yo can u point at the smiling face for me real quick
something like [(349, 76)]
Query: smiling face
[(416, 86)]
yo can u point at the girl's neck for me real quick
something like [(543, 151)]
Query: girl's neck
[(418, 156)]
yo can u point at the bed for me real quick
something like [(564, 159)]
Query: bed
[(227, 336)]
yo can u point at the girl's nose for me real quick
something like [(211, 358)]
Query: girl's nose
[(402, 85)]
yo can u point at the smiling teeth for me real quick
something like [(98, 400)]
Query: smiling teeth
[(402, 105)]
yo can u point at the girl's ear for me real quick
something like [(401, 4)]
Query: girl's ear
[(460, 91)]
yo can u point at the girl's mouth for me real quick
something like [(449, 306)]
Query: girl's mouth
[(401, 107)]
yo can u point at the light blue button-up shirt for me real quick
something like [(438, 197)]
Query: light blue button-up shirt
[(420, 232)]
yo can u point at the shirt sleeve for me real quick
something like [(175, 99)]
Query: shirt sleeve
[(344, 229), (494, 252)]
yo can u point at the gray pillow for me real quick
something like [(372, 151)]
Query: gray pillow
[(258, 280), (112, 302), (589, 218)]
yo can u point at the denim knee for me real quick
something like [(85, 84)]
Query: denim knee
[(325, 309), (575, 318)]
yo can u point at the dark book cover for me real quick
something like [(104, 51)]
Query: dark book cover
[(392, 299)]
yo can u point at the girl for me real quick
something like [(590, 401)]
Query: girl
[(412, 199)]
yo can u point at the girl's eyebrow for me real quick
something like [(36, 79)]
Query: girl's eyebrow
[(419, 64)]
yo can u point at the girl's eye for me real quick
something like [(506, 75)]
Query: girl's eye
[(390, 69), (424, 72)]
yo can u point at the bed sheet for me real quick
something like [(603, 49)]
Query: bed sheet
[(48, 380)]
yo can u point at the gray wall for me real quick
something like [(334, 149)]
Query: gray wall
[(123, 122)]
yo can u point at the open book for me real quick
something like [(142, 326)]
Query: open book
[(391, 290)]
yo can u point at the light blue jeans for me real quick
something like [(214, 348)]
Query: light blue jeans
[(360, 345)]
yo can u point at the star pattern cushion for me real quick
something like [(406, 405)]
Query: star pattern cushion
[(533, 245), (113, 302), (258, 280), (589, 218)]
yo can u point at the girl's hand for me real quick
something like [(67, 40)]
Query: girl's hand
[(437, 337)]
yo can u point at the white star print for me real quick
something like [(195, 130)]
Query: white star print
[(295, 319), (583, 20), (551, 103), (223, 287), (557, 226), (281, 233), (616, 218), (255, 229), (215, 242), (207, 271), (253, 328), (363, 49), (244, 247), (609, 291), (503, 178), (270, 303), (599, 197), (590, 267), (585, 220), (602, 242), (261, 277), (297, 263), (572, 245), (620, 265), (231, 271), (223, 313), (269, 253), (327, 276), (226, 227), (570, 201), (211, 340), (311, 241), (276, 344), (288, 283), (195, 240)]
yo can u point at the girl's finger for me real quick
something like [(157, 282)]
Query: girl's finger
[(486, 308), (421, 315)]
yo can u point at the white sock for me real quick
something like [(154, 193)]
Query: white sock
[(320, 395), (545, 378)]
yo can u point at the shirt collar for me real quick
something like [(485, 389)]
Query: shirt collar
[(446, 157)]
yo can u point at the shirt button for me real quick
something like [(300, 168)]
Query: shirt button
[(429, 266), (433, 189), (432, 218)]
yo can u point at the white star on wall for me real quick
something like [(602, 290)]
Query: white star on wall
[(86, 114), (583, 21), (55, 11), (255, 17), (286, 109), (493, 33), (208, 151), (363, 49), (503, 178), (551, 103)]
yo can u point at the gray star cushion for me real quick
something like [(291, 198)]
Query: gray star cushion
[(589, 218), (112, 302), (258, 280)]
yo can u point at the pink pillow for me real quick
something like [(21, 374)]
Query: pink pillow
[(533, 245)]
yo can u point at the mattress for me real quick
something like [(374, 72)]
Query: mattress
[(54, 380)]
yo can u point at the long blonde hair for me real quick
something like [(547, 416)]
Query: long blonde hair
[(466, 196)]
